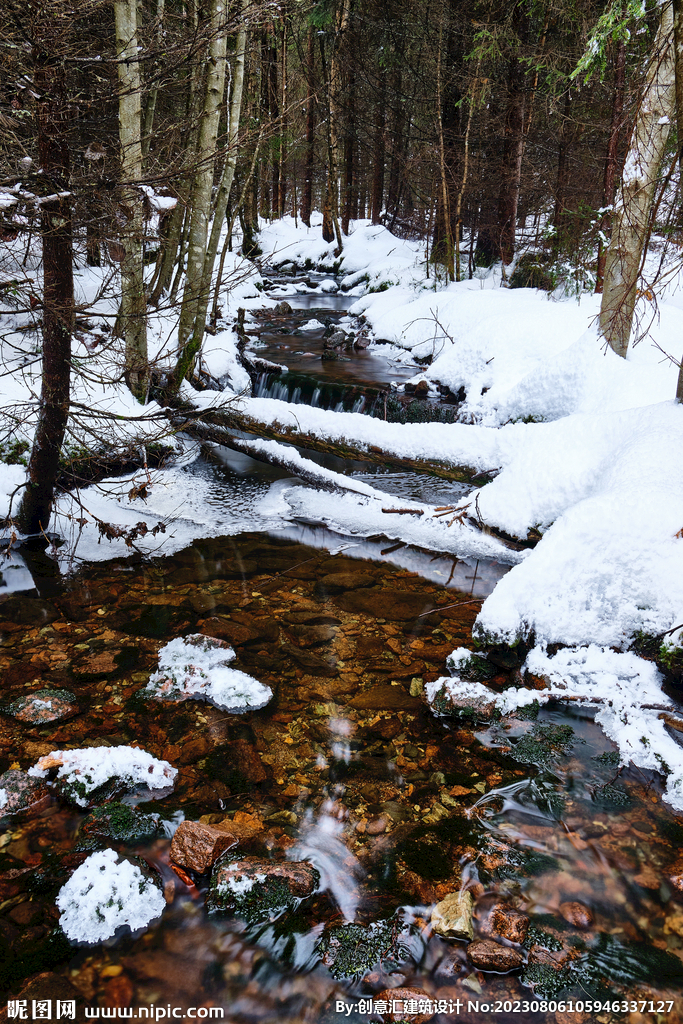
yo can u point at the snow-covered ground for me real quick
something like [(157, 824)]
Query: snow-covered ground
[(583, 447)]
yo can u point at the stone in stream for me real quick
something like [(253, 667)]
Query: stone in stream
[(385, 697), (421, 389), (117, 823), (197, 846), (19, 792), (260, 890), (396, 999), (452, 917), (341, 582), (492, 956), (509, 923), (336, 340), (43, 706), (577, 914), (197, 667), (282, 308)]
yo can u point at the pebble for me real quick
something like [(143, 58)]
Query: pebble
[(492, 956), (577, 914), (452, 917)]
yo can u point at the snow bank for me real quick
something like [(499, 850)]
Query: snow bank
[(372, 258), (82, 772), (621, 684), (198, 667), (103, 895)]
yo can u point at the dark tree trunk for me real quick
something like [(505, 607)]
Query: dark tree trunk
[(511, 168), (50, 33), (561, 214), (274, 110), (307, 196), (378, 159), (348, 212), (612, 158)]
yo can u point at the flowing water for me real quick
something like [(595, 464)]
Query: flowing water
[(346, 769)]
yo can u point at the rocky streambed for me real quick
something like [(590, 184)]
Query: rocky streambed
[(342, 843)]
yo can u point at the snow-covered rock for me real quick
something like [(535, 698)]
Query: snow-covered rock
[(197, 667), (95, 773), (104, 894)]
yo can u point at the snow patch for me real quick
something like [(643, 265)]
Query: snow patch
[(82, 772)]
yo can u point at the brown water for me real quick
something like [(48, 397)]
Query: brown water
[(348, 768)]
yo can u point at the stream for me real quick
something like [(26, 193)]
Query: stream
[(574, 865)]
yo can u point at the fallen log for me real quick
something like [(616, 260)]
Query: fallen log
[(232, 419)]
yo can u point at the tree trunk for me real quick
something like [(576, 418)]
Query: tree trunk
[(611, 159), (334, 97), (133, 303), (678, 45), (307, 195), (150, 106), (639, 179), (50, 30), (225, 184), (511, 168), (200, 199), (560, 215), (377, 193)]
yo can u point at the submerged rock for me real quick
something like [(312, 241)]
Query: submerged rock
[(19, 792), (401, 1002), (197, 667), (351, 950), (577, 914), (452, 917), (509, 923), (198, 846), (43, 706), (492, 956), (118, 823)]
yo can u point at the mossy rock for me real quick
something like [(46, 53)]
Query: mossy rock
[(543, 744), (117, 823), (351, 950), (670, 662), (264, 902)]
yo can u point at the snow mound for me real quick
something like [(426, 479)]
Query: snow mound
[(197, 667), (82, 774), (103, 895), (311, 325)]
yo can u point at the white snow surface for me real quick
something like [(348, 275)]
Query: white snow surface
[(194, 667), (94, 766), (103, 895), (240, 885)]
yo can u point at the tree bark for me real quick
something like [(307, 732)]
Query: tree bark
[(133, 303), (50, 30), (200, 199), (678, 45), (334, 97), (307, 194), (611, 159), (377, 193), (511, 168), (225, 185), (639, 179)]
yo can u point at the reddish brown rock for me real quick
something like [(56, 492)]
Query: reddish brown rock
[(577, 914), (300, 877), (557, 959), (397, 998), (43, 706), (509, 923), (20, 792), (491, 956), (197, 846), (385, 697)]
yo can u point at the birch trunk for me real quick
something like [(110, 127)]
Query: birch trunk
[(133, 304), (225, 185), (150, 106), (611, 159), (639, 179), (200, 196)]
